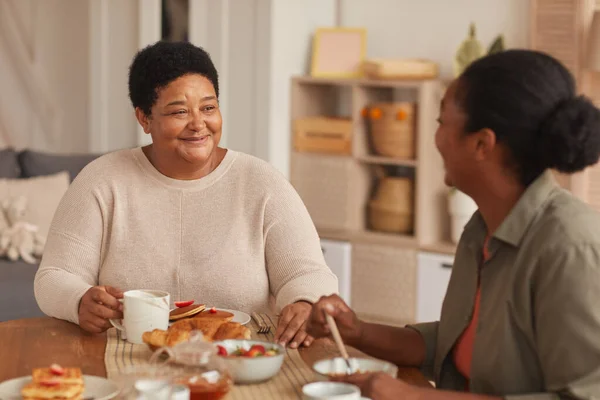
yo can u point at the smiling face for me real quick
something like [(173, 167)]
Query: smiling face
[(469, 157), (185, 124)]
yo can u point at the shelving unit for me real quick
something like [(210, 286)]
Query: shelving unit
[(336, 188)]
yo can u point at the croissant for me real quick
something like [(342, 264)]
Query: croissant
[(156, 338), (176, 337), (206, 326), (180, 331), (232, 330)]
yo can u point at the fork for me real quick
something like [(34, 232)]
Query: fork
[(262, 327)]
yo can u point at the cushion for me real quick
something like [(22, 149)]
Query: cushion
[(43, 195), (35, 163), (9, 165), (17, 299)]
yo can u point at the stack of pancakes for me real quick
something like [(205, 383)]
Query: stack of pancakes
[(215, 325), (47, 384)]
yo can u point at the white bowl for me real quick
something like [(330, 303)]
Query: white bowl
[(252, 370), (337, 366), (330, 390)]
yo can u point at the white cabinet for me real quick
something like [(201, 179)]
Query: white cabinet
[(433, 275), (337, 256)]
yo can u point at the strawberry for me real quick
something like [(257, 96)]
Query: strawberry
[(56, 369), (50, 382), (253, 353), (213, 310), (185, 303), (258, 347), (221, 351)]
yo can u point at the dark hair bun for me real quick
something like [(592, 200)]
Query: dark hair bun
[(570, 136)]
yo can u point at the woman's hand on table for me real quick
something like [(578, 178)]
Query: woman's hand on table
[(348, 324), (291, 328), (97, 306), (378, 385)]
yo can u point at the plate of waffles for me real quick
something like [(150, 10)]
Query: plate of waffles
[(195, 310), (58, 383)]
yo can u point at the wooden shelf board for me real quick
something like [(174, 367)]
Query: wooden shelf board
[(387, 161), (440, 247), (390, 239), (396, 84), (380, 238), (334, 234), (375, 83), (324, 81)]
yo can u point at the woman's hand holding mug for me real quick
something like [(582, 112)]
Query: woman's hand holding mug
[(97, 306)]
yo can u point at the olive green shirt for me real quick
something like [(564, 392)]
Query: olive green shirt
[(538, 334)]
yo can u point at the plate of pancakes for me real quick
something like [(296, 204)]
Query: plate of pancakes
[(201, 311), (58, 383)]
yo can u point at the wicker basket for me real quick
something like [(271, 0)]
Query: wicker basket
[(391, 210), (392, 127)]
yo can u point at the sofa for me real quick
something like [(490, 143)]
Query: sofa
[(31, 170)]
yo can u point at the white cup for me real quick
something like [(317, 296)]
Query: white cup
[(143, 311), (330, 391)]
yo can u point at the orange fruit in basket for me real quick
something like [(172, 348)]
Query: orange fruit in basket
[(376, 113), (401, 115)]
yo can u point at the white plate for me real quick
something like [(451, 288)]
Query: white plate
[(238, 316), (95, 387)]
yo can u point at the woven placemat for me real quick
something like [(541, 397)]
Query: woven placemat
[(294, 373)]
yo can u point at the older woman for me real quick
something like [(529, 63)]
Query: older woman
[(521, 317), (182, 214)]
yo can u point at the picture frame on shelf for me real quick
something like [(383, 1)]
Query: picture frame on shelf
[(338, 52)]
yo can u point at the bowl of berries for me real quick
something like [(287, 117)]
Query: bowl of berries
[(251, 361)]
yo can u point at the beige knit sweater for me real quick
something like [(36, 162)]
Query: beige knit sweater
[(237, 238)]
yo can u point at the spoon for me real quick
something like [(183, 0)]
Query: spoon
[(338, 341)]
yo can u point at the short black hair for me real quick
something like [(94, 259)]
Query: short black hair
[(155, 66), (529, 100)]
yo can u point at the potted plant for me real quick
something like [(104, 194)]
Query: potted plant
[(471, 49)]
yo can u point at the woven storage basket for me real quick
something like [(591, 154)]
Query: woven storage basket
[(391, 210), (392, 127)]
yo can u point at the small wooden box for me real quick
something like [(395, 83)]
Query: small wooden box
[(400, 69), (323, 135)]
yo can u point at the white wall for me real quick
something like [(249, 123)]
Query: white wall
[(61, 43), (430, 29), (292, 26), (123, 39), (434, 29), (269, 41), (57, 33)]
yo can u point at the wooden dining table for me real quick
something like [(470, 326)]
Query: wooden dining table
[(37, 342)]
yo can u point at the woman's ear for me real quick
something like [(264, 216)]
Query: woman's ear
[(485, 143), (143, 119)]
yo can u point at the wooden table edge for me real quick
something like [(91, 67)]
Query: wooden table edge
[(18, 337)]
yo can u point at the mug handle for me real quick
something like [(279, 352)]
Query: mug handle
[(116, 323)]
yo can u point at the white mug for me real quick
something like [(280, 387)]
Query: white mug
[(143, 311), (330, 391)]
